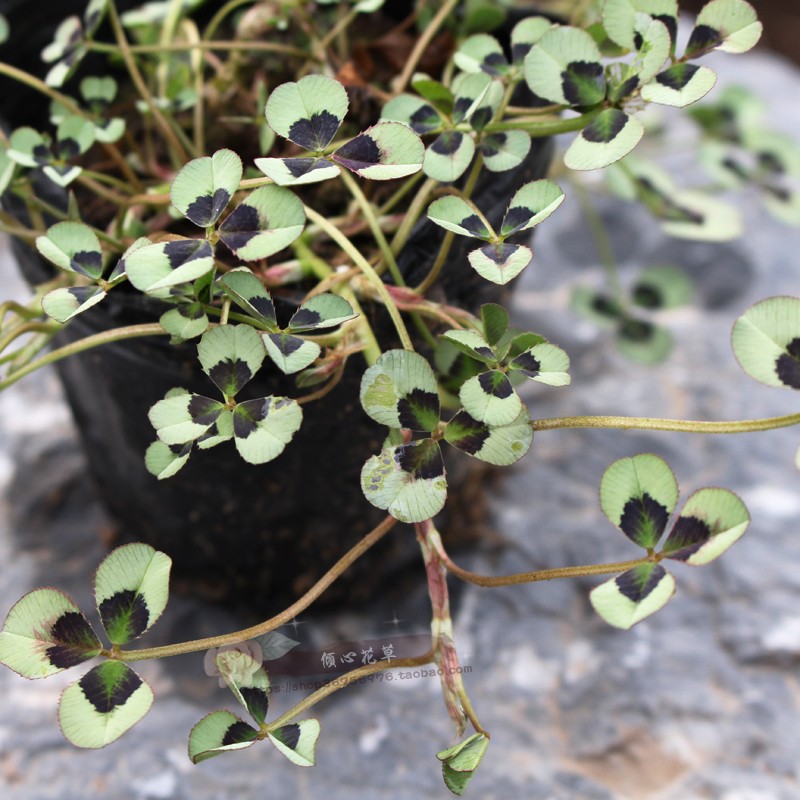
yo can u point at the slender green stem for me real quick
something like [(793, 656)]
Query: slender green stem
[(194, 646), (655, 424), (341, 25), (374, 225), (178, 152), (26, 312), (368, 271), (345, 680), (400, 83), (41, 86), (102, 177), (541, 574), (182, 47), (28, 327), (223, 12), (98, 339), (539, 128)]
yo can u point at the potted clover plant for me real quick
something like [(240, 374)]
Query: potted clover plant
[(283, 227)]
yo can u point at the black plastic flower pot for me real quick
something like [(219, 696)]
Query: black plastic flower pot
[(256, 536)]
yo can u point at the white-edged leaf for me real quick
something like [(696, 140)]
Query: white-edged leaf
[(247, 291), (500, 263), (481, 53), (448, 157), (631, 597), (131, 588), (386, 151), (505, 150), (219, 732), (545, 363), (74, 247), (525, 34), (106, 702), (297, 741), (321, 311), (29, 148), (406, 480), (182, 417), (231, 355), (565, 67), (67, 302), (680, 85), (496, 444), (766, 341), (297, 171), (399, 390), (610, 136), (271, 218), (290, 353), (262, 428), (203, 188), (164, 460), (62, 175), (308, 112), (472, 344), (44, 633), (455, 214), (531, 203), (490, 398), (637, 495), (414, 111), (729, 25), (710, 522), (165, 264), (185, 321), (74, 136)]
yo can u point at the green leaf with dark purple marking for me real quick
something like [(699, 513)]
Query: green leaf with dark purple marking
[(203, 188), (308, 112), (490, 398), (638, 494), (219, 732), (297, 171), (500, 445), (247, 291), (729, 25), (319, 312), (481, 53), (415, 112), (297, 741), (262, 428), (545, 363), (643, 341), (164, 460), (44, 633), (610, 136), (29, 148), (565, 67), (119, 271), (131, 588), (460, 761), (631, 597), (494, 319), (711, 521), (231, 355), (472, 92), (531, 203), (399, 390), (679, 85), (472, 344), (93, 15), (74, 247), (185, 321), (525, 34), (247, 679), (290, 353), (521, 343), (67, 302), (67, 49), (506, 150), (74, 136), (455, 214), (383, 152), (182, 417), (662, 286), (270, 219), (766, 341), (220, 431), (407, 480), (448, 157), (166, 264), (106, 702), (500, 263)]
